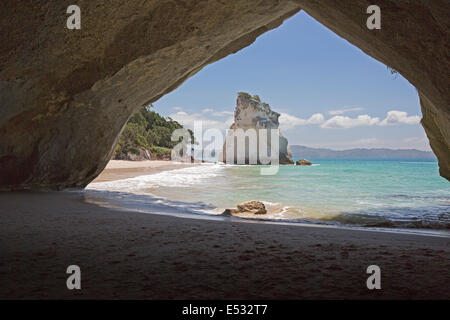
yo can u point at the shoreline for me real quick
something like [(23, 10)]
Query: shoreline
[(110, 200), (125, 254), (124, 169)]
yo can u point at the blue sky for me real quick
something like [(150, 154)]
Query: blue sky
[(303, 69)]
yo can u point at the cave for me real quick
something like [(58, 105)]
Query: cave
[(67, 94)]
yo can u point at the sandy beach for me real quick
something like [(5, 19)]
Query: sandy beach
[(131, 255), (122, 169)]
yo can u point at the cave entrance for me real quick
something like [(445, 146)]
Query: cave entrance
[(354, 118), (329, 93)]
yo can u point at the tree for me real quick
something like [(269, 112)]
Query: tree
[(245, 95), (147, 129)]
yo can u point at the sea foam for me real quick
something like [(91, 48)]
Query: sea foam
[(181, 178)]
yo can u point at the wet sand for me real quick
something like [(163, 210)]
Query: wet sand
[(129, 255)]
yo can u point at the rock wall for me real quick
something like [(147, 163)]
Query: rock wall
[(66, 94), (253, 114)]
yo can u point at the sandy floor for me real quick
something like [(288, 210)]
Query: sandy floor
[(134, 255)]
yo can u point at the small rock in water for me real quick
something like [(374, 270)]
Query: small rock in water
[(255, 207), (228, 212), (303, 162)]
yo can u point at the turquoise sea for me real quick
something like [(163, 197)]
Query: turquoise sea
[(364, 193)]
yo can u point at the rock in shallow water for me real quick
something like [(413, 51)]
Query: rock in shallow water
[(303, 162), (255, 207)]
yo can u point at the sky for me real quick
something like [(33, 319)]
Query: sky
[(329, 93)]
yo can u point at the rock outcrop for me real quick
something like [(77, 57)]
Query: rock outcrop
[(250, 113), (303, 162), (139, 155), (255, 207), (66, 94)]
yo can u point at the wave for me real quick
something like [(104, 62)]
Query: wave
[(277, 212), (441, 221), (181, 178), (420, 162), (381, 217), (146, 203), (217, 184), (420, 197)]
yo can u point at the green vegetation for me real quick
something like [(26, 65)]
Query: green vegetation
[(249, 96), (245, 95), (147, 129), (257, 98)]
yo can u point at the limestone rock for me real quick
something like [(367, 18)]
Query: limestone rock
[(142, 154), (255, 207), (303, 162), (250, 113)]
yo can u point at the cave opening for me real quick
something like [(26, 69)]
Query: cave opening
[(67, 95), (355, 120)]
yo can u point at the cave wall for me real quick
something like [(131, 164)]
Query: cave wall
[(66, 94)]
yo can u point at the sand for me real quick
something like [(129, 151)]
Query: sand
[(132, 255), (122, 169)]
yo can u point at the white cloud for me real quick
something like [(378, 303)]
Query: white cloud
[(288, 121), (342, 111), (393, 117), (223, 119), (222, 113), (188, 120), (217, 113), (343, 122), (316, 118), (399, 117), (177, 108)]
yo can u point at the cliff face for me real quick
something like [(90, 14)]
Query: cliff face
[(253, 114), (66, 94)]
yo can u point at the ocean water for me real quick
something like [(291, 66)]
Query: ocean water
[(362, 193)]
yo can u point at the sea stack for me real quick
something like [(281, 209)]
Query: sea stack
[(251, 113)]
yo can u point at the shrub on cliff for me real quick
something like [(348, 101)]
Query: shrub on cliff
[(160, 151), (147, 129), (245, 95), (256, 97)]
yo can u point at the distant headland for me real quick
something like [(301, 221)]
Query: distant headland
[(360, 153)]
